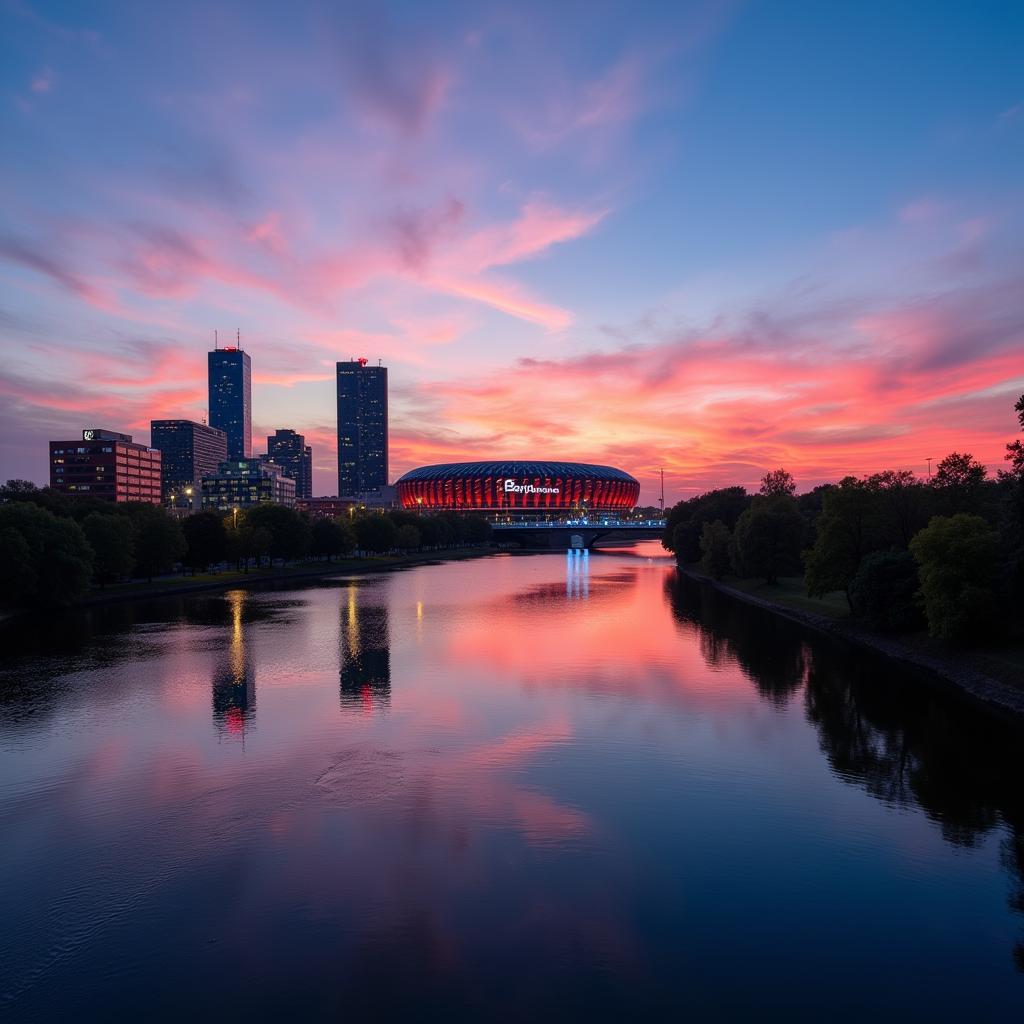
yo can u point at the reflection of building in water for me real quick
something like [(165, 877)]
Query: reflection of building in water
[(234, 676), (577, 573), (364, 652)]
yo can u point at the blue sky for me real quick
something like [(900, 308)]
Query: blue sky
[(714, 238)]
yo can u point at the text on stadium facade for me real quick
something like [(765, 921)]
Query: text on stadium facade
[(511, 487)]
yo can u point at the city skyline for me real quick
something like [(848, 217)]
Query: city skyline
[(568, 237)]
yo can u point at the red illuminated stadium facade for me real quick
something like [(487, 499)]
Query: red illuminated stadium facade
[(535, 487)]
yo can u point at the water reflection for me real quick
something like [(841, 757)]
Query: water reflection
[(881, 727), (364, 650), (639, 796), (770, 651), (234, 674), (577, 573)]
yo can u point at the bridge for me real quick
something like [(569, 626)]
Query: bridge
[(581, 532)]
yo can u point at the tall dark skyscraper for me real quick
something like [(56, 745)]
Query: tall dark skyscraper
[(362, 427), (230, 377), (290, 451), (190, 451)]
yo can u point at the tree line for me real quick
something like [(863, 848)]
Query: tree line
[(54, 549), (945, 552)]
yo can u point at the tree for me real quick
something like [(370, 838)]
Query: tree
[(715, 542), (46, 560), (778, 481), (159, 542), (113, 545), (430, 531), (206, 540), (847, 530), (376, 533), (956, 558), (457, 528), (726, 504), (957, 482), (290, 532), (478, 530), (332, 537), (18, 579), (16, 488), (768, 538), (904, 504), (245, 542), (408, 537), (1012, 517), (883, 592), (1014, 450)]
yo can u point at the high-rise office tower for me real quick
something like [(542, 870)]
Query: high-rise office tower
[(290, 451), (362, 427), (190, 451), (230, 378)]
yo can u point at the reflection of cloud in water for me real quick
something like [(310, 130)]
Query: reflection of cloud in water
[(622, 642), (449, 787)]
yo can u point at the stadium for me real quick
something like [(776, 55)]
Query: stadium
[(518, 486)]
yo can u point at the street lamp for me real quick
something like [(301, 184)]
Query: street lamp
[(188, 492)]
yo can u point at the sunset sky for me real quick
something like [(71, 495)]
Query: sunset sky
[(712, 237)]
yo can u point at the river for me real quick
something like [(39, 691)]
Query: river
[(517, 787)]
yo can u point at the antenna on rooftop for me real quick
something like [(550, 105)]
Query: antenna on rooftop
[(216, 343), (238, 336)]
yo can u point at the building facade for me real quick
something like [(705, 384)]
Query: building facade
[(289, 450), (362, 427), (229, 372), (107, 465), (189, 452), (326, 508), (507, 486), (242, 483)]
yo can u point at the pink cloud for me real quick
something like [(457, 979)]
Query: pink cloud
[(43, 82), (506, 297), (268, 233), (724, 407)]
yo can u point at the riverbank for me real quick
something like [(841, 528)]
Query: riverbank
[(1001, 689), (170, 587)]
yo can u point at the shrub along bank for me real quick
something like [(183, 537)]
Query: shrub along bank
[(946, 552), (55, 550)]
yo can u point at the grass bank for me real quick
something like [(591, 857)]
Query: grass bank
[(993, 676)]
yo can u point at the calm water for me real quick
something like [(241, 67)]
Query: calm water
[(510, 788)]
